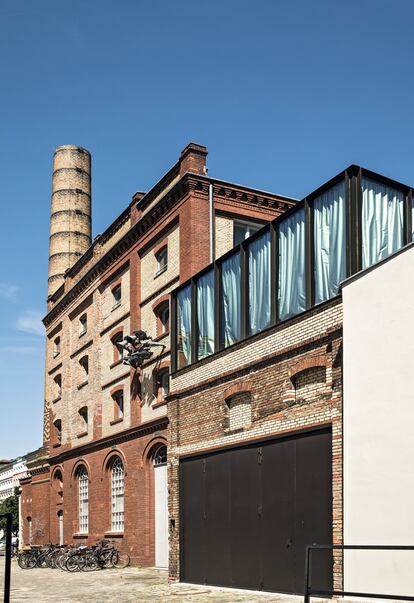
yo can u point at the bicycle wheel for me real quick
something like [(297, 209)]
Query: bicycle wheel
[(22, 560), (122, 560), (91, 563), (74, 563)]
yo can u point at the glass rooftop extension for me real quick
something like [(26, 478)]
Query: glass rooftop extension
[(292, 264)]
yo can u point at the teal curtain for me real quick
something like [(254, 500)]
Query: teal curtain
[(258, 253), (230, 302), (205, 314), (381, 221), (292, 291), (329, 242), (184, 327)]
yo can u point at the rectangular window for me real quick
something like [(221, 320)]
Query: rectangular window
[(83, 324), (184, 327), (117, 296), (243, 230), (381, 221), (162, 260), (56, 347), (258, 253), (292, 288), (230, 275), (329, 232), (205, 314), (119, 405)]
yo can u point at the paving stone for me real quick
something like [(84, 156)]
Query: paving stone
[(137, 585)]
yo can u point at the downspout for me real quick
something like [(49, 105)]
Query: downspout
[(211, 221)]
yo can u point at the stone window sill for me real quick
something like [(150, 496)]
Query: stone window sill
[(116, 363), (83, 384), (115, 421), (82, 434), (116, 306), (113, 535), (56, 354), (81, 535), (56, 399), (82, 333), (160, 271)]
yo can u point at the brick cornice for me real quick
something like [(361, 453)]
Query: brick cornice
[(188, 182), (112, 440)]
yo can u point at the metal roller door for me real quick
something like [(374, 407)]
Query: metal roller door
[(247, 514)]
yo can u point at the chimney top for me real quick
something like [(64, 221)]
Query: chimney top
[(71, 147), (193, 159)]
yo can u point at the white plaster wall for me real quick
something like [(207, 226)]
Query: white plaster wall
[(378, 425)]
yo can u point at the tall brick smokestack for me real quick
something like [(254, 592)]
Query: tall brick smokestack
[(70, 219)]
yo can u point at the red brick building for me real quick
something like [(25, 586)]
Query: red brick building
[(256, 400), (102, 472)]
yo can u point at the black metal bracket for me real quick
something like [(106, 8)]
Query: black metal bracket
[(308, 590), (8, 552)]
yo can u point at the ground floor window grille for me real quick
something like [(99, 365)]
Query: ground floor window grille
[(83, 501), (117, 475)]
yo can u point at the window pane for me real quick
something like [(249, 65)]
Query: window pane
[(291, 295), (259, 283), (329, 240), (205, 314), (381, 221), (242, 231), (230, 301), (184, 327)]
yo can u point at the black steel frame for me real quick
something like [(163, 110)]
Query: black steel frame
[(352, 178), (309, 591), (8, 553)]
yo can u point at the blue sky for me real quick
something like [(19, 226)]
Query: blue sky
[(284, 93)]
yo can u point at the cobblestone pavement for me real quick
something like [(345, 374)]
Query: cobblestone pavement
[(120, 586)]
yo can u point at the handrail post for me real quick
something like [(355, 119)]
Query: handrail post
[(7, 569), (306, 598)]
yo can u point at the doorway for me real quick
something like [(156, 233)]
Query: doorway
[(161, 508), (60, 527)]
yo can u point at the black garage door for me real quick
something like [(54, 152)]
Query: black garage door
[(248, 513)]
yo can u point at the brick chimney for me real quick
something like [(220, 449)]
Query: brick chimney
[(193, 159)]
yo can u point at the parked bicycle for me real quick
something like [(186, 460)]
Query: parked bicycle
[(74, 558)]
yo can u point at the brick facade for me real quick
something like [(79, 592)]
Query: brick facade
[(281, 381), (83, 375)]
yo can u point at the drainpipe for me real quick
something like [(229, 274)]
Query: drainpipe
[(211, 216)]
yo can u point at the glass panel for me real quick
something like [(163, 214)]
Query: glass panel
[(381, 221), (259, 283), (230, 301), (205, 314), (291, 294), (184, 327), (330, 242)]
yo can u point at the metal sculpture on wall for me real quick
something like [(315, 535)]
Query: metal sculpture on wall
[(137, 348)]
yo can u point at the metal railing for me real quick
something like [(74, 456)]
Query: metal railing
[(8, 553), (309, 591)]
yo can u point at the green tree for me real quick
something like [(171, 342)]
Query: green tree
[(10, 505)]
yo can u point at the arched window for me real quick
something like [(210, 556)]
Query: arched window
[(117, 491), (83, 488), (160, 456)]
